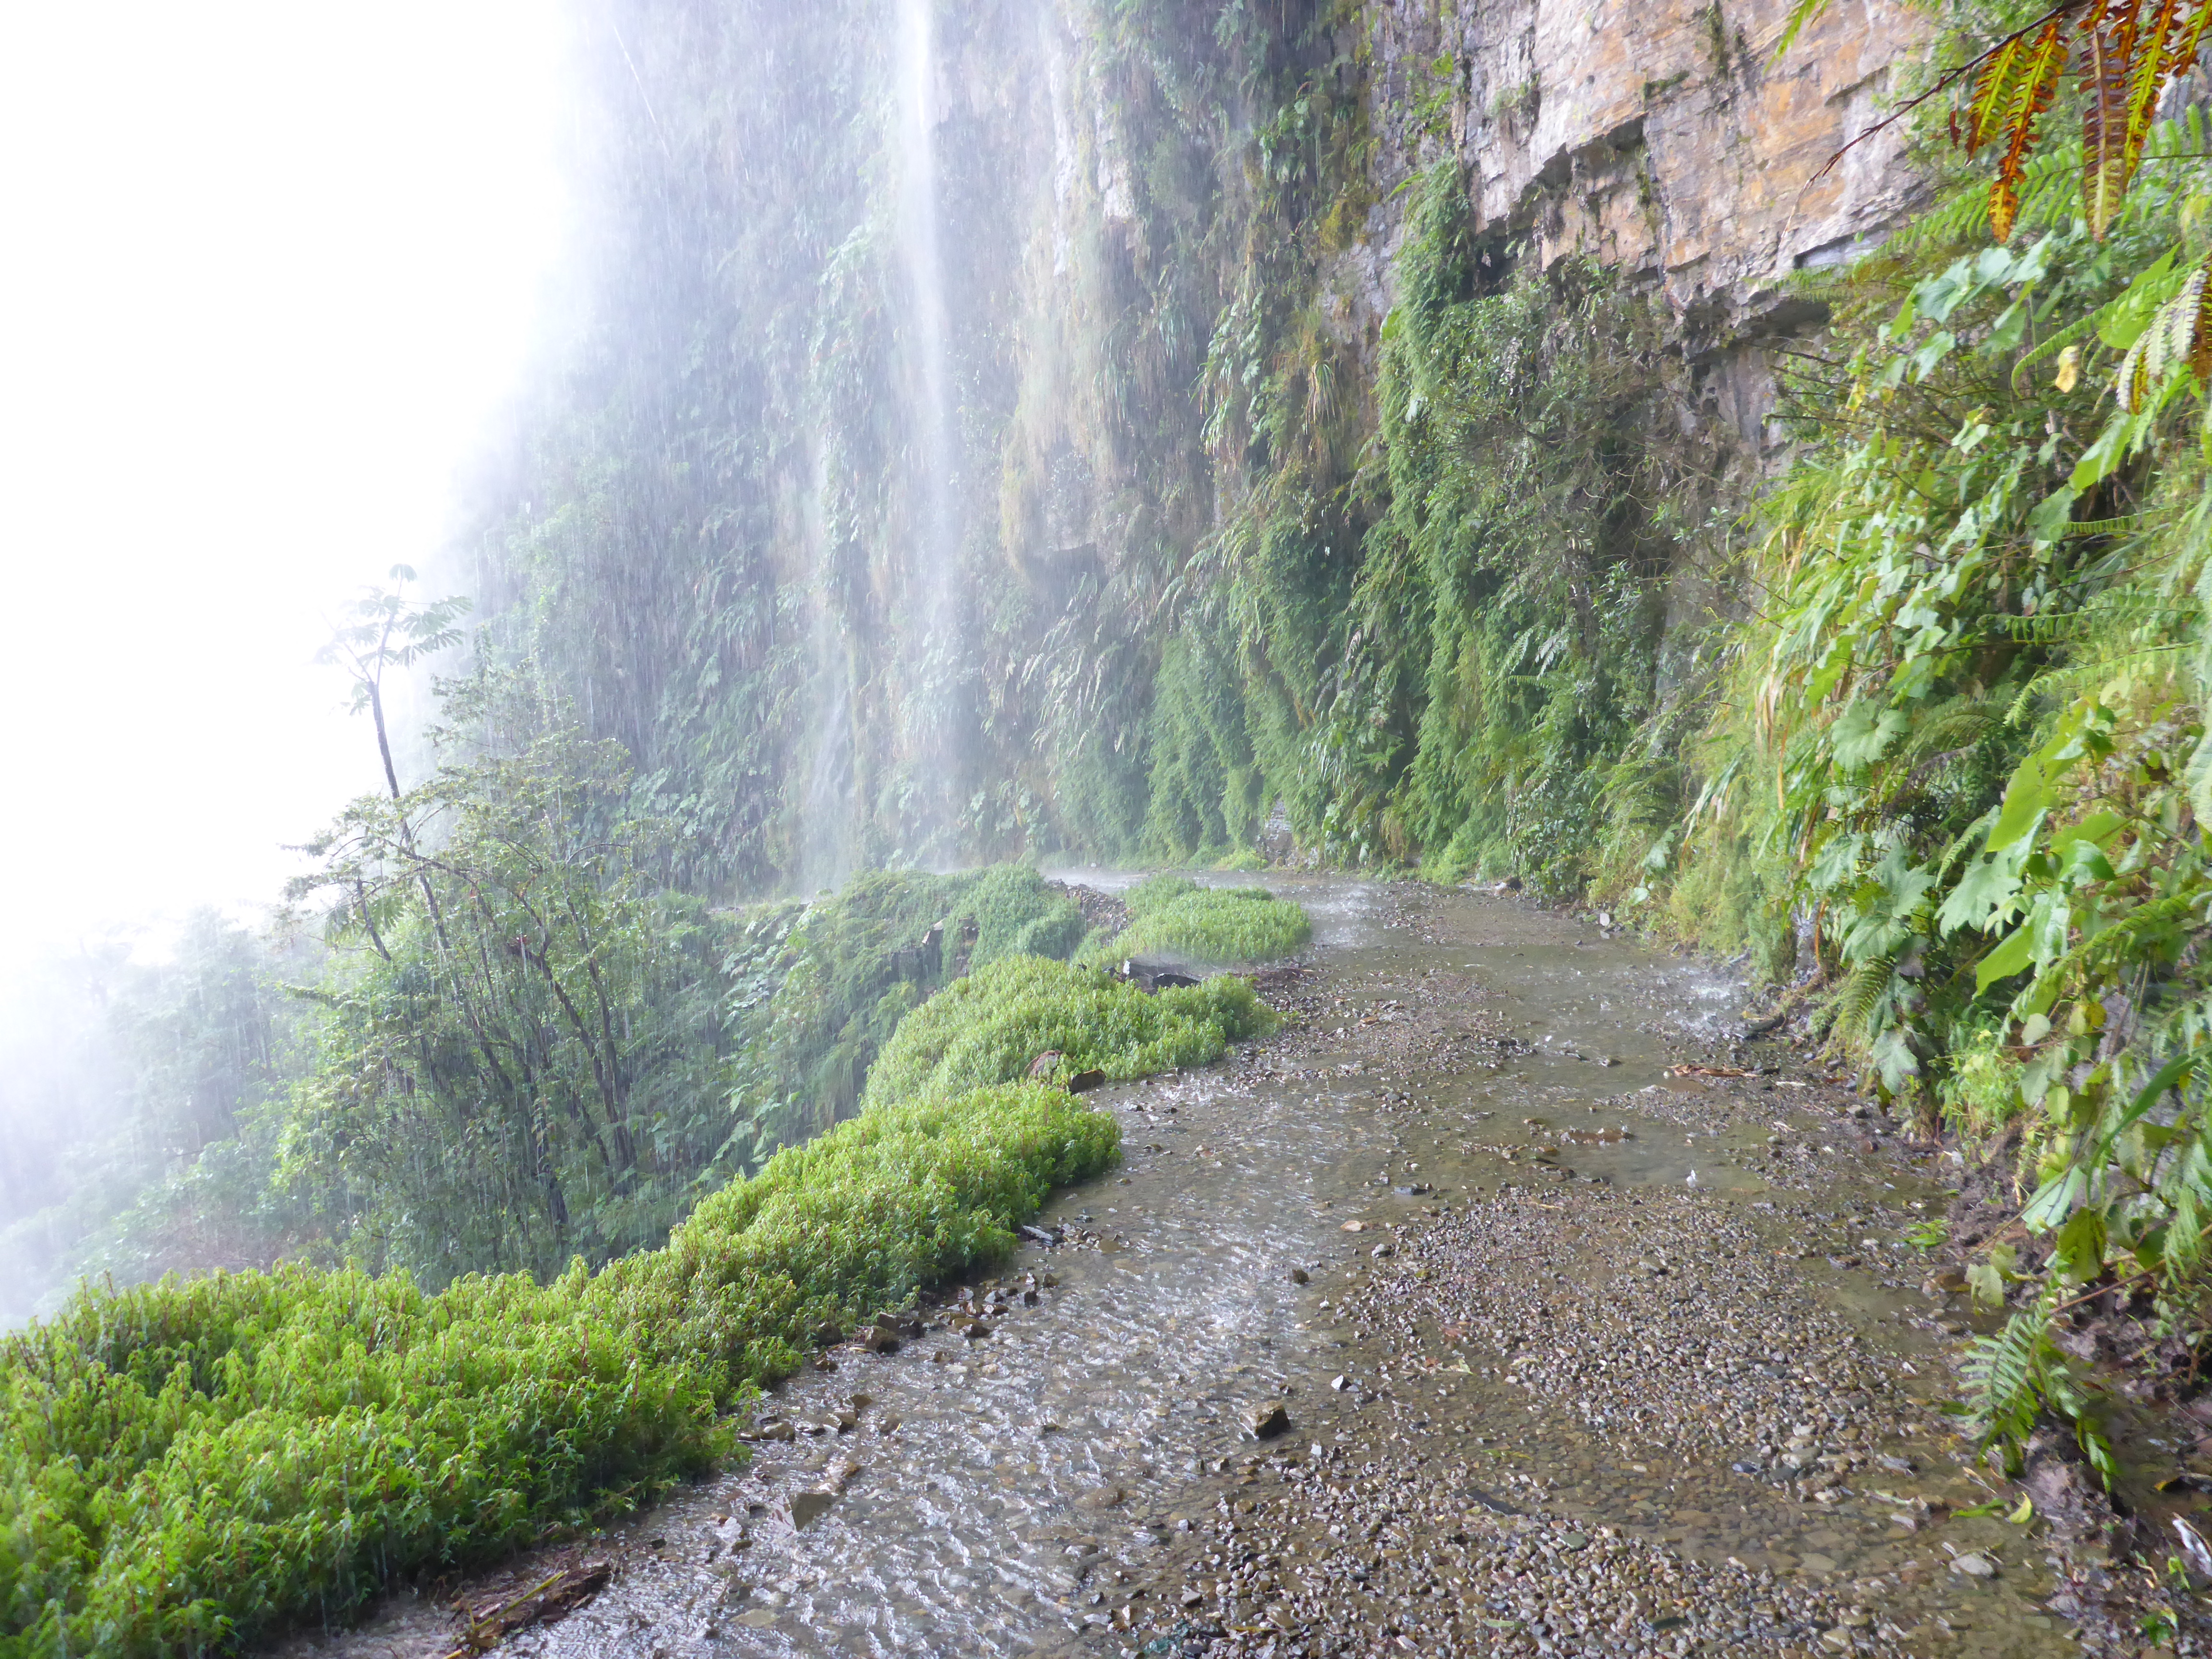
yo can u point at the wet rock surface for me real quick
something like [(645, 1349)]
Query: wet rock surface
[(1409, 1330)]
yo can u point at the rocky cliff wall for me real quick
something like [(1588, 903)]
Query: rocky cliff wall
[(1170, 239)]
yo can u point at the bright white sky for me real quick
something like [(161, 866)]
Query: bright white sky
[(268, 268)]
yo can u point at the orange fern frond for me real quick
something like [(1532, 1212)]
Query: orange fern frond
[(2187, 39), (1989, 111), (2031, 89), (2108, 85)]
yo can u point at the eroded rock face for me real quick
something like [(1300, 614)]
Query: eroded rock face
[(1663, 139)]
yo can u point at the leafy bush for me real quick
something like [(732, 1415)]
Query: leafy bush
[(1967, 730), (1216, 925), (188, 1465), (1157, 892), (989, 1027), (818, 987), (885, 1204), (192, 1465)]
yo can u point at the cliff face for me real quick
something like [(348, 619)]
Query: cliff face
[(1047, 528)]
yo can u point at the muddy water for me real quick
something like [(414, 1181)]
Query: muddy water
[(1457, 1059)]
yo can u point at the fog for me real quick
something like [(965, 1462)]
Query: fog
[(271, 268)]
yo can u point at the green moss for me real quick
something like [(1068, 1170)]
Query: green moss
[(1215, 926), (990, 1027), (1157, 892), (191, 1466)]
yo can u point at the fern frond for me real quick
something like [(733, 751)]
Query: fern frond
[(2127, 299), (2179, 334), (2005, 1376), (1863, 992), (2027, 93), (2110, 143), (2120, 527)]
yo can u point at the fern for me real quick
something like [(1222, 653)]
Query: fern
[(1863, 993), (2013, 1378)]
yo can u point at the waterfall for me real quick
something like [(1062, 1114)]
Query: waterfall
[(934, 567)]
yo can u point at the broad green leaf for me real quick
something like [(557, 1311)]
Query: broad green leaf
[(2080, 1244), (2055, 1200), (2048, 522), (2027, 798), (1862, 732), (2098, 829), (1986, 891)]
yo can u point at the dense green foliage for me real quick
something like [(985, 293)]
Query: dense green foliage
[(189, 1466), (516, 1043), (991, 1028), (525, 1056), (1917, 717), (1213, 927), (819, 986), (1965, 737), (1506, 621)]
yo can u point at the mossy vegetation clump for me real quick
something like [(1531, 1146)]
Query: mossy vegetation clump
[(193, 1466), (819, 985), (196, 1465), (991, 1027), (1156, 892), (1212, 925)]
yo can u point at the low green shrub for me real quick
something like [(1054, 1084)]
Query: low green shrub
[(883, 1206), (193, 1466), (1157, 892), (186, 1466), (1215, 925), (990, 1027)]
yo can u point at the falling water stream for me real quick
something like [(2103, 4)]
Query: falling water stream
[(985, 1497)]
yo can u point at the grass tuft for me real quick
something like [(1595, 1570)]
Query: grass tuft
[(1217, 926)]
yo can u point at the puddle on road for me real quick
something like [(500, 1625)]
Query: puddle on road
[(991, 1496)]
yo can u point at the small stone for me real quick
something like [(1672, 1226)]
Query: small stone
[(808, 1507), (1355, 1226), (974, 1330), (1974, 1564), (1299, 1276), (1269, 1421)]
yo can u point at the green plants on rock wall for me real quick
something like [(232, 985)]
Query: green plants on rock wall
[(1504, 629), (1961, 739)]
